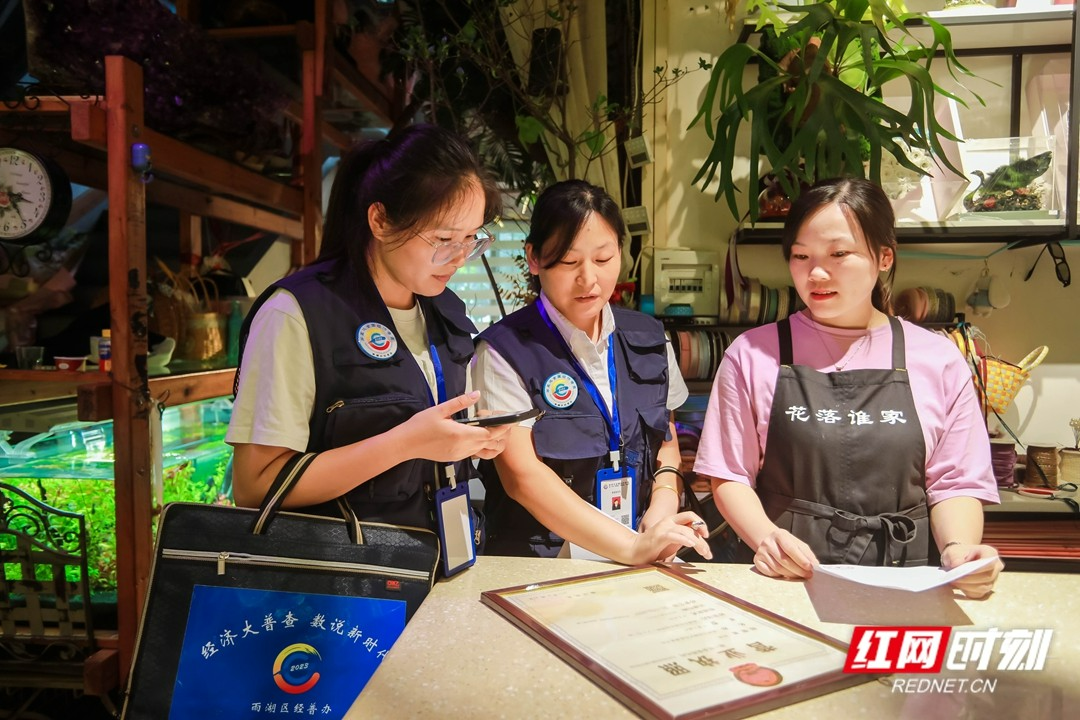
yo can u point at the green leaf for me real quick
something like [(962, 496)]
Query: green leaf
[(530, 130), (594, 141), (821, 115)]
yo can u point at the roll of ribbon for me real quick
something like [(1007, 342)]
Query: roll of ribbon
[(1069, 466), (1003, 461), (1042, 466)]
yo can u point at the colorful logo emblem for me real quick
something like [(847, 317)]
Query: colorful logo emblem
[(376, 340), (296, 669), (560, 391)]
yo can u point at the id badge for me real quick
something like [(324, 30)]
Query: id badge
[(455, 527), (615, 494)]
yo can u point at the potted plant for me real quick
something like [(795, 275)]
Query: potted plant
[(817, 109)]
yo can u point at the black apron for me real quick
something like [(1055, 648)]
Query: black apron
[(844, 467)]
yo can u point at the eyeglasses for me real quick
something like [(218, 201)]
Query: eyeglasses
[(1061, 265), (446, 250)]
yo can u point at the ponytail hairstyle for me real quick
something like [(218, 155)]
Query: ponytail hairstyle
[(558, 216), (416, 174), (870, 208)]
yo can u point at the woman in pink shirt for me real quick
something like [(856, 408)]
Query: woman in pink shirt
[(843, 434)]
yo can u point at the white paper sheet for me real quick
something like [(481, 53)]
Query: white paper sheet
[(913, 579)]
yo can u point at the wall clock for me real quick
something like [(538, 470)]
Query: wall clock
[(35, 197)]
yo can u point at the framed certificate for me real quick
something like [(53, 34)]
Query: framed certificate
[(669, 646)]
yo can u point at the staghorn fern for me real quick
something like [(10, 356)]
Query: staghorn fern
[(846, 51)]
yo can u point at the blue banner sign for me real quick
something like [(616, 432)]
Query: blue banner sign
[(251, 653)]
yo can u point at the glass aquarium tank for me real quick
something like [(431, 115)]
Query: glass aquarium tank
[(71, 468)]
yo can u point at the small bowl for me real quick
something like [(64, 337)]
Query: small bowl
[(69, 363)]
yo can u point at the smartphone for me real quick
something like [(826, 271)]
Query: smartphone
[(502, 418)]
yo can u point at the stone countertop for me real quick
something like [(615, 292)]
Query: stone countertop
[(459, 658)]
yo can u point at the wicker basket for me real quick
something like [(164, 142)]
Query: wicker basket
[(182, 308)]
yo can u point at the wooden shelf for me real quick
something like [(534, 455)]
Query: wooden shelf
[(91, 137), (25, 386), (1022, 233), (332, 69), (178, 160), (92, 390), (95, 400)]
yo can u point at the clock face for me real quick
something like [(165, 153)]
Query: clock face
[(33, 195)]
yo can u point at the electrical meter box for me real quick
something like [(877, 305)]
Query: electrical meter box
[(687, 277)]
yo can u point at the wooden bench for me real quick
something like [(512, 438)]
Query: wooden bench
[(47, 638)]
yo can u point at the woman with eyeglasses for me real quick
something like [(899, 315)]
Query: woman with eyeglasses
[(600, 468), (363, 356)]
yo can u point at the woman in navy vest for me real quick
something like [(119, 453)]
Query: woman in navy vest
[(363, 356), (843, 434), (571, 353)]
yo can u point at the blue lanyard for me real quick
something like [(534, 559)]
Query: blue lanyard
[(440, 381), (612, 418), (440, 388)]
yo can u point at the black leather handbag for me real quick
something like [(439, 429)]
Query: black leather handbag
[(264, 549)]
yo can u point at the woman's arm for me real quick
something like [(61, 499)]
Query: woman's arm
[(778, 553), (530, 482), (957, 525), (662, 501), (431, 434)]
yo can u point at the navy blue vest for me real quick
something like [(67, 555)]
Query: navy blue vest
[(573, 441), (357, 397)]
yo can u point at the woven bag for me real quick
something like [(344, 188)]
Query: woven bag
[(186, 306), (173, 299), (1002, 380), (997, 381)]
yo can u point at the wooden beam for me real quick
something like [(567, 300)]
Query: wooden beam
[(89, 171), (172, 157), (191, 243), (252, 33), (323, 21), (339, 139), (128, 311), (197, 202), (95, 402), (25, 386), (51, 104), (311, 158), (360, 87), (188, 388), (88, 124)]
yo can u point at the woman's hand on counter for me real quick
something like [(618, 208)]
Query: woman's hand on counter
[(669, 535), (978, 584), (781, 554)]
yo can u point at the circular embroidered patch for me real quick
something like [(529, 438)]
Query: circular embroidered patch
[(560, 391), (376, 341)]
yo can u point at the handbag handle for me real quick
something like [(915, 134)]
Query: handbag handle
[(1034, 358), (283, 484)]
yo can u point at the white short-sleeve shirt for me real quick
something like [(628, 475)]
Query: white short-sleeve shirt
[(502, 389)]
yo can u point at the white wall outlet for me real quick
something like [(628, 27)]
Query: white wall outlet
[(637, 220), (638, 152)]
